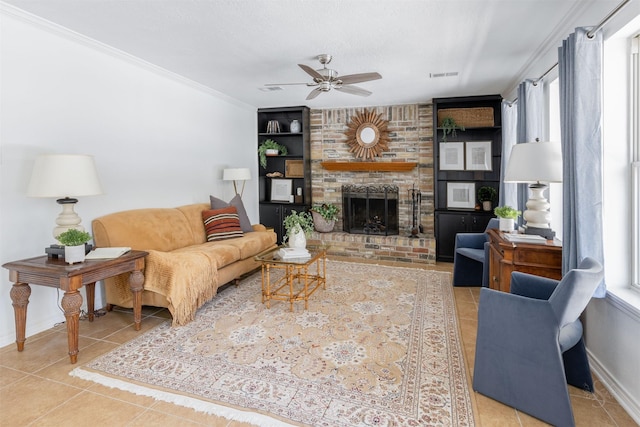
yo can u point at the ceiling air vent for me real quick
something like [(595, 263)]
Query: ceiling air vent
[(270, 88), (450, 74)]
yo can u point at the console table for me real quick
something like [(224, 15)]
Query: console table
[(56, 273), (506, 257)]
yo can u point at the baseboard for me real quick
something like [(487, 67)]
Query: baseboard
[(625, 399)]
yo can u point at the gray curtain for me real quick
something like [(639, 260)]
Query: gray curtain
[(508, 191), (580, 74), (530, 126)]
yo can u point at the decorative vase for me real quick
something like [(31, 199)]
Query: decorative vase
[(486, 205), (297, 239), (73, 254), (507, 224), (320, 224), (295, 126)]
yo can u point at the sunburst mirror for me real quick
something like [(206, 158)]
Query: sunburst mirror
[(367, 135)]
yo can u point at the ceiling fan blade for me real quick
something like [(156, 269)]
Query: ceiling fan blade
[(314, 93), (313, 73), (359, 78), (354, 90)]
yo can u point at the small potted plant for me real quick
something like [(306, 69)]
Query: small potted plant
[(270, 148), (507, 216), (324, 216), (74, 244), (449, 126), (297, 227), (486, 196)]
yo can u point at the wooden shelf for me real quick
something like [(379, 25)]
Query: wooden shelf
[(369, 166)]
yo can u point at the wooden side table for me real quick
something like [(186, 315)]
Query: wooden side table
[(506, 257), (56, 273)]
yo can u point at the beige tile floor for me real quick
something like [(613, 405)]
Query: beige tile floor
[(36, 390)]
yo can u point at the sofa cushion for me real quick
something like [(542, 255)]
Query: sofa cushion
[(152, 228), (220, 224), (253, 243), (236, 202), (220, 252)]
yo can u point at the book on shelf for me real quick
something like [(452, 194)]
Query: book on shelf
[(525, 238), (290, 253), (107, 253)]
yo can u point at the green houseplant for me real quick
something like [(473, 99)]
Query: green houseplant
[(487, 195), (297, 227), (324, 216), (269, 144), (449, 126), (74, 244), (507, 216)]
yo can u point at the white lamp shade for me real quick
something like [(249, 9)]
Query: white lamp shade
[(236, 174), (64, 175), (535, 162)]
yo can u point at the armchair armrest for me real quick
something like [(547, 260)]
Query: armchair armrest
[(529, 285), (471, 240)]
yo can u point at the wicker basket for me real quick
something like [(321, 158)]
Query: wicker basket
[(320, 224), (468, 117)]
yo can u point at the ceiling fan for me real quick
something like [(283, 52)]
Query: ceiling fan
[(326, 79)]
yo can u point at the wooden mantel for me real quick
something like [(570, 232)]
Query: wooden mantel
[(369, 166)]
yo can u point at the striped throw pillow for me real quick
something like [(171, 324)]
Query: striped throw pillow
[(220, 224)]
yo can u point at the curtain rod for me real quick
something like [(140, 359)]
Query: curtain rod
[(590, 34)]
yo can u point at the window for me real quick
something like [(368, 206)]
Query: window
[(635, 159)]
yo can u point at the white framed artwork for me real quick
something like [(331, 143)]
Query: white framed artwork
[(461, 195), (451, 156), (281, 190), (478, 155)]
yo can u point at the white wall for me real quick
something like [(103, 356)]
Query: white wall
[(158, 141)]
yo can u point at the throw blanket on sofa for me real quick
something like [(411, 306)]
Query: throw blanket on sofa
[(185, 277)]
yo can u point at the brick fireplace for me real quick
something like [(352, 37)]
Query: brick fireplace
[(411, 133)]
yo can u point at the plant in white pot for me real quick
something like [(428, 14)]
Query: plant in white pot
[(270, 148), (507, 216), (74, 244), (297, 227), (487, 196), (324, 217)]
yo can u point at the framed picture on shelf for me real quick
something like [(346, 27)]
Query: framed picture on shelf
[(451, 156), (461, 195), (479, 156), (281, 190)]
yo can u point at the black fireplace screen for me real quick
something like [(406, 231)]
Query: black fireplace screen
[(370, 209)]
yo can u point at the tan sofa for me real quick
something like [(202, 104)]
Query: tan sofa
[(183, 270)]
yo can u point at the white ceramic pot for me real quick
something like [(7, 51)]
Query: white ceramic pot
[(271, 152), (297, 239), (73, 254), (507, 224)]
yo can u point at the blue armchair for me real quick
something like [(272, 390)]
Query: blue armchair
[(471, 251), (529, 342)]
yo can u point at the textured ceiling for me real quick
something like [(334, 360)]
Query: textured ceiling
[(235, 47)]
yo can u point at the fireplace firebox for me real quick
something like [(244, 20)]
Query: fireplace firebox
[(370, 209)]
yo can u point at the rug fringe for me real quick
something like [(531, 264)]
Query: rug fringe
[(188, 402)]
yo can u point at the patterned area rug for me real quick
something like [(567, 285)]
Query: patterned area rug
[(379, 346)]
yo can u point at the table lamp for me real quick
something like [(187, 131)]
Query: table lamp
[(237, 174), (536, 163), (64, 176)]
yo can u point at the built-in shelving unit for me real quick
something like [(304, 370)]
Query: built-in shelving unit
[(468, 167), (294, 166)]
